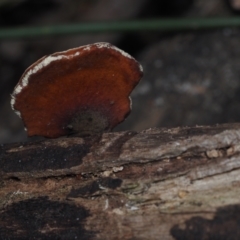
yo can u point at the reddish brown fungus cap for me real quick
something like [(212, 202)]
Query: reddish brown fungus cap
[(83, 90)]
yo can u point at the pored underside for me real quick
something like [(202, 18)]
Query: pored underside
[(67, 90)]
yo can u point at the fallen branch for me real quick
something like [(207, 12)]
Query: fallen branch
[(180, 183)]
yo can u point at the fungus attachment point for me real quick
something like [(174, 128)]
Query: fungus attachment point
[(83, 90)]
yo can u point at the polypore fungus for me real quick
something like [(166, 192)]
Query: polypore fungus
[(83, 90)]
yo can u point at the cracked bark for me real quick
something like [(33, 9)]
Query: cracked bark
[(180, 183)]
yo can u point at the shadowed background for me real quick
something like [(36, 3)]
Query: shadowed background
[(190, 77)]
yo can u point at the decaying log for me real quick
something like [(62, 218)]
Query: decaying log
[(180, 183)]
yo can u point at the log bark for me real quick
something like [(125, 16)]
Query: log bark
[(180, 183)]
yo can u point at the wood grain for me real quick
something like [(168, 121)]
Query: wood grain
[(180, 183)]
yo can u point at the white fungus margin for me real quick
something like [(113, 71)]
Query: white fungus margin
[(49, 59)]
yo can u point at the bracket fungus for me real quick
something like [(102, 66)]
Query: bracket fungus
[(83, 90)]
